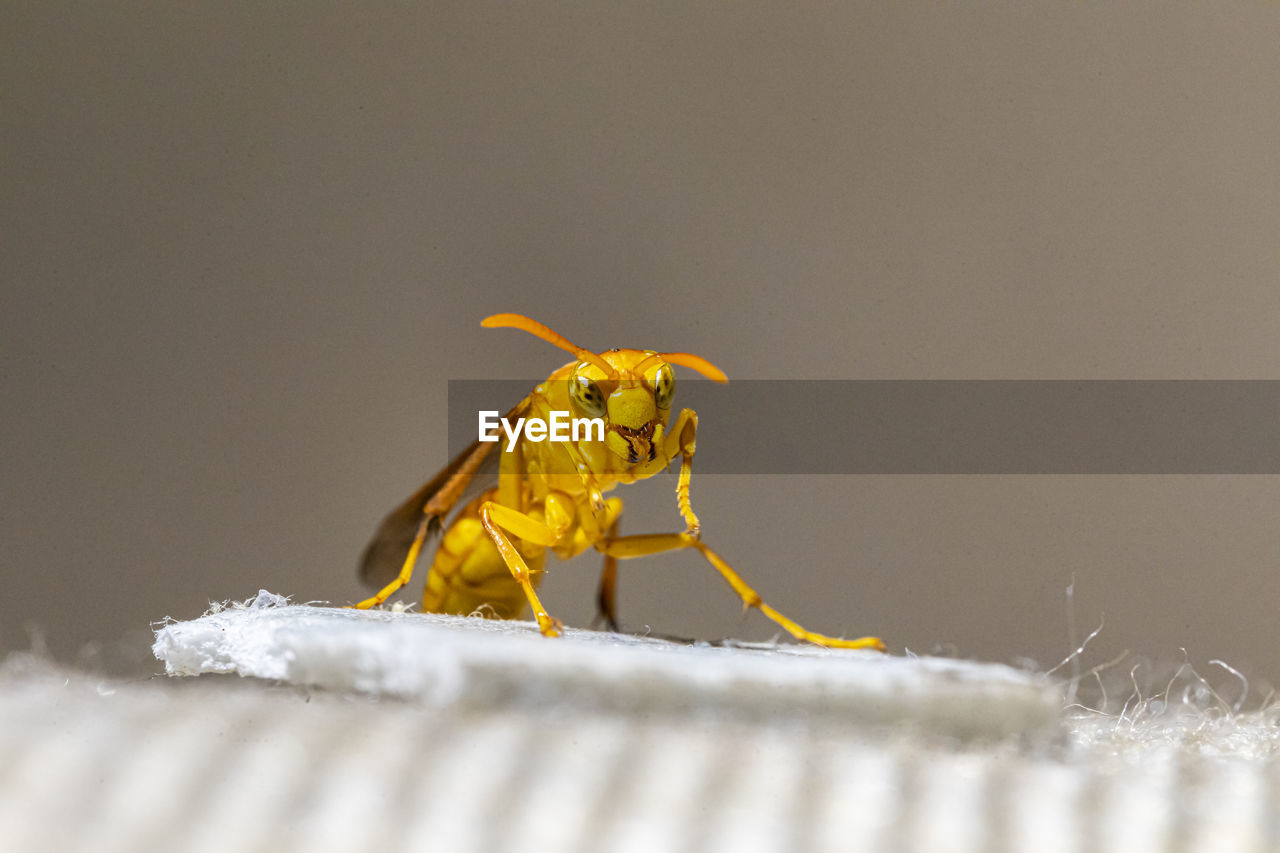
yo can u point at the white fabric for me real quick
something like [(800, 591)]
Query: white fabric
[(444, 660)]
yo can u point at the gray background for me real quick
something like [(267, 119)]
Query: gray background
[(246, 245)]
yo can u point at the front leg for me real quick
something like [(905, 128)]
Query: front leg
[(682, 438), (496, 518)]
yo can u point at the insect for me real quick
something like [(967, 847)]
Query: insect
[(550, 495)]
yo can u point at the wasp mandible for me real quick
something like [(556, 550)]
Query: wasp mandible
[(550, 495)]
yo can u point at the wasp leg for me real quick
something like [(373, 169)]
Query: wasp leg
[(495, 517), (406, 571), (692, 526), (683, 439), (627, 547), (606, 598), (593, 529)]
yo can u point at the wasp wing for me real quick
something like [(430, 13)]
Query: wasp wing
[(466, 476)]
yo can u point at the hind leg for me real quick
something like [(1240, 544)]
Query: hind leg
[(606, 597), (627, 547), (592, 531), (406, 570)]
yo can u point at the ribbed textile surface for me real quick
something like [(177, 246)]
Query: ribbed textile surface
[(222, 763)]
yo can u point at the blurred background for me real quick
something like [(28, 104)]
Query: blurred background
[(244, 247)]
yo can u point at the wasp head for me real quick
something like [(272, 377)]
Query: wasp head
[(630, 389), (635, 401)]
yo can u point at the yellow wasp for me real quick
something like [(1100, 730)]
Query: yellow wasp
[(550, 494)]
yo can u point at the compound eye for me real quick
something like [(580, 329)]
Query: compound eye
[(587, 395), (664, 387)]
